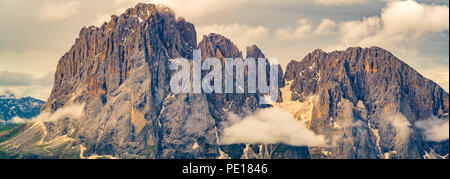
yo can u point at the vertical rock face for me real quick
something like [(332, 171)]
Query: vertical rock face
[(368, 103), (103, 58), (121, 72), (220, 105), (215, 45)]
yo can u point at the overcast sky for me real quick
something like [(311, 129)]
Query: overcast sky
[(35, 34)]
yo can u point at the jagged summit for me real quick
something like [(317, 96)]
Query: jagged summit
[(367, 86), (254, 52), (143, 11), (214, 45)]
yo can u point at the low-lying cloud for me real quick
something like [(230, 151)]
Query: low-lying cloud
[(268, 126), (434, 129), (14, 120), (18, 120), (73, 111), (401, 125)]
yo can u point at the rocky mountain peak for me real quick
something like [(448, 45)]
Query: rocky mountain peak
[(367, 86), (215, 45), (254, 52), (103, 58)]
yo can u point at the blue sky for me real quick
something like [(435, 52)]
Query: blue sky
[(35, 34)]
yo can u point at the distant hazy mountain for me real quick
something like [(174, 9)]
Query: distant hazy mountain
[(25, 108), (365, 102)]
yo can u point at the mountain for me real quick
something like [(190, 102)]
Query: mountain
[(368, 103), (111, 99), (7, 95), (25, 108)]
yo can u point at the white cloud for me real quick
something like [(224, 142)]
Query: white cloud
[(400, 23), (58, 10), (325, 27), (18, 120), (434, 129), (241, 35), (301, 31), (269, 126), (73, 111), (400, 124), (353, 32), (338, 2)]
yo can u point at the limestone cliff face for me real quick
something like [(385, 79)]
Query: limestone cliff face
[(121, 72), (359, 93), (103, 58)]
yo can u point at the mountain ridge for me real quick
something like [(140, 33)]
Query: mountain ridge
[(119, 73), (370, 83), (24, 108)]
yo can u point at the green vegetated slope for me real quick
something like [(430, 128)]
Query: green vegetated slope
[(6, 132)]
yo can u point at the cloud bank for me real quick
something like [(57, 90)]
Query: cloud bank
[(400, 124), (268, 126), (434, 129), (73, 111), (24, 79), (24, 84), (303, 28), (400, 22), (325, 27)]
